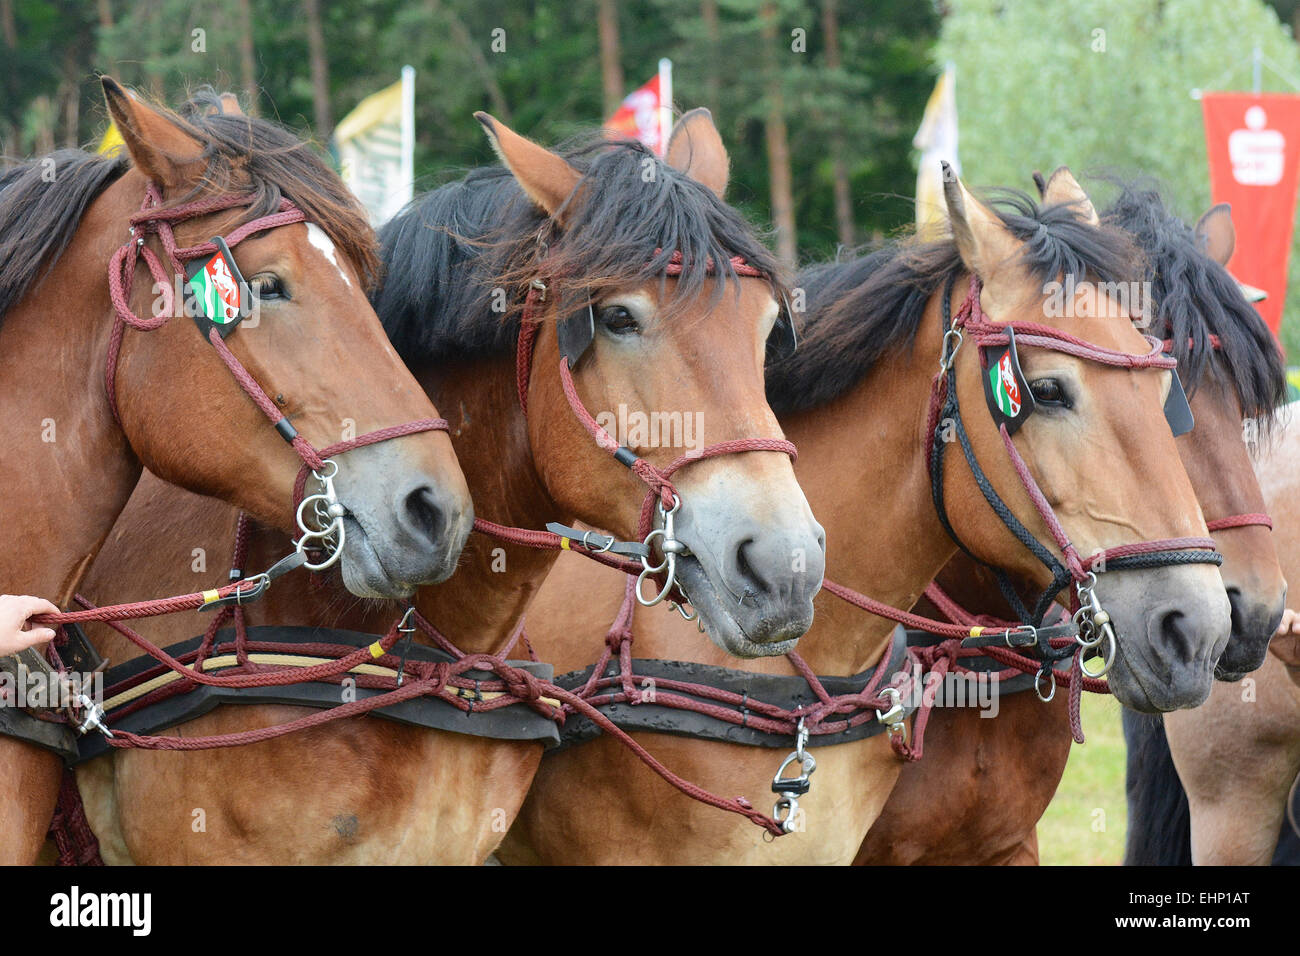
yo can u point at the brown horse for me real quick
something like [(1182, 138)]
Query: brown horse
[(1238, 755), (977, 796), (856, 398), (174, 406), (366, 790)]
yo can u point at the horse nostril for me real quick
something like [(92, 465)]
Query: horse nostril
[(424, 516), (1234, 605), (1173, 636), (754, 580)]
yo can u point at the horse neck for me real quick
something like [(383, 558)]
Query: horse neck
[(890, 543), (71, 470), (479, 607)]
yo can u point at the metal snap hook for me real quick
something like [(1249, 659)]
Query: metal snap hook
[(952, 340), (790, 789), (331, 533), (785, 812), (670, 547)]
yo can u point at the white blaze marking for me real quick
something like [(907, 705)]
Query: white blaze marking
[(316, 236)]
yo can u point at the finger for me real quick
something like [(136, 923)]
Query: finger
[(38, 635), (35, 605)]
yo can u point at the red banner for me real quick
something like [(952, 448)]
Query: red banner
[(1253, 142), (639, 117)]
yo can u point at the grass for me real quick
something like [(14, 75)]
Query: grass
[(1085, 823)]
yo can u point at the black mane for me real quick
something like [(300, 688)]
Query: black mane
[(41, 203), (1194, 298), (458, 260), (860, 309), (40, 212)]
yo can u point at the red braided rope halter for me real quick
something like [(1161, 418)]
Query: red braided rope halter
[(153, 218), (657, 480)]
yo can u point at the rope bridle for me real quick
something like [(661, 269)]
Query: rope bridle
[(1092, 621), (662, 500), (325, 532)]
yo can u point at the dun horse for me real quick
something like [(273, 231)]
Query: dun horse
[(977, 796), (858, 400), (97, 387), (683, 299)]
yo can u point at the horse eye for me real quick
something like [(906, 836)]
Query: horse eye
[(267, 285), (1048, 391), (618, 320)]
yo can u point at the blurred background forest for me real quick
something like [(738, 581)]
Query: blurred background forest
[(818, 100)]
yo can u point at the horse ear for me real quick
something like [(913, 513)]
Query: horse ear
[(160, 149), (1062, 187), (546, 177), (987, 248), (695, 147), (1040, 183), (1216, 234)]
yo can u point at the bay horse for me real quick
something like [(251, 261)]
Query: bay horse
[(984, 784), (1212, 787), (98, 386), (858, 400), (460, 263)]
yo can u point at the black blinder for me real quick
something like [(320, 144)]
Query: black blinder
[(575, 334), (1177, 411), (782, 341)]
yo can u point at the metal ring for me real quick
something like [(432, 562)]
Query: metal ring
[(322, 478), (1107, 659), (664, 591), (310, 499), (645, 560), (336, 551), (1038, 685), (1093, 641)]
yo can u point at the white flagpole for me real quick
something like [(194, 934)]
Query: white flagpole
[(665, 103), (407, 184)]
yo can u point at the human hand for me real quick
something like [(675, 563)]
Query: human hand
[(15, 609)]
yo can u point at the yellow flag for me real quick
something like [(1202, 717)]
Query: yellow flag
[(375, 145), (937, 140), (112, 141)]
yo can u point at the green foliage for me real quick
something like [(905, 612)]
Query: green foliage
[(547, 78), (1038, 87)]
